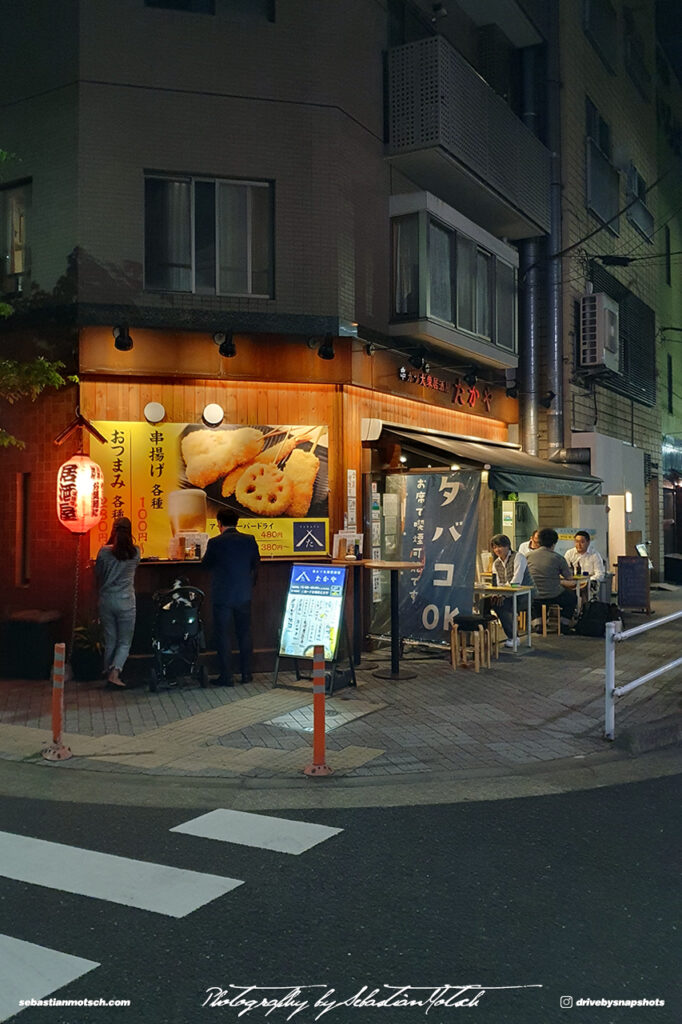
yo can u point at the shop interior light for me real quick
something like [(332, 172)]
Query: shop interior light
[(225, 342), (454, 467), (122, 340), (154, 412), (213, 414), (326, 349), (547, 400), (628, 501), (403, 459)]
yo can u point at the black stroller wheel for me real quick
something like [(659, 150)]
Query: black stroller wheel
[(153, 681)]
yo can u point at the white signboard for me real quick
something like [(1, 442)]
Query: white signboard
[(313, 611)]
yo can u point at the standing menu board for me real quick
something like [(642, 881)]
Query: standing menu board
[(633, 582), (313, 611)]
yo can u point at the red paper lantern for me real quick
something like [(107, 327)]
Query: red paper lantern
[(80, 490)]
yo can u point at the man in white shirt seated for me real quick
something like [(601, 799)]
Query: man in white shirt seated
[(582, 560), (510, 567), (530, 545)]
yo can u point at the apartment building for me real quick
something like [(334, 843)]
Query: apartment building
[(339, 217)]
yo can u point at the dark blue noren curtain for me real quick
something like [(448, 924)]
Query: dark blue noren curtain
[(440, 529)]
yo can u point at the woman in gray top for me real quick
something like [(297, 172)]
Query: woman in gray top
[(115, 572)]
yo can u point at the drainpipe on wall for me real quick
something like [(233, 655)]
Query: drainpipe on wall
[(529, 252), (555, 351)]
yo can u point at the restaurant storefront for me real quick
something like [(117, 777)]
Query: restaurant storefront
[(188, 430)]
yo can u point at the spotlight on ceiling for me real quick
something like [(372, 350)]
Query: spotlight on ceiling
[(470, 378), (122, 340), (512, 390), (225, 343), (547, 400), (326, 349)]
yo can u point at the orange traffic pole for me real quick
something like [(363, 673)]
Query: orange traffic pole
[(57, 751), (318, 767)]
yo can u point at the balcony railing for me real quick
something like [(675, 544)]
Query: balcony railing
[(457, 138)]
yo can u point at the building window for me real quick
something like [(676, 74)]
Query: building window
[(668, 261), (600, 23), (602, 178), (15, 204), (635, 56), (193, 6), (208, 236), (638, 213), (670, 383), (441, 274)]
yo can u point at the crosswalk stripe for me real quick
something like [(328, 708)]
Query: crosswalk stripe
[(28, 971), (268, 833), (133, 883)]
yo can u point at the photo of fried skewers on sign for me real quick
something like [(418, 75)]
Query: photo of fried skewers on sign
[(259, 471)]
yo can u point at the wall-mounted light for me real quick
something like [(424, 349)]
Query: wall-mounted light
[(512, 390), (122, 340), (370, 348), (225, 342), (403, 459), (213, 414), (154, 412), (326, 349), (547, 400), (628, 501), (470, 378)]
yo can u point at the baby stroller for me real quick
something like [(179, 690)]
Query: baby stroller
[(177, 635)]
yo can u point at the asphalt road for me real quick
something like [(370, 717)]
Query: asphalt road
[(577, 893)]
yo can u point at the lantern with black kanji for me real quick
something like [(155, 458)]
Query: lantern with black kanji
[(80, 490)]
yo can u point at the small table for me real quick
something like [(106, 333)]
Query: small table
[(506, 590), (394, 568)]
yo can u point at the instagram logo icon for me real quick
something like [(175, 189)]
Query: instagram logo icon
[(566, 1002)]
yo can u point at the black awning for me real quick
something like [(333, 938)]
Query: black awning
[(510, 468)]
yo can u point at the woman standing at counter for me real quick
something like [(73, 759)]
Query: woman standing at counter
[(115, 572)]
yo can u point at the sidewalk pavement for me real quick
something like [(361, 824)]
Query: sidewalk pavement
[(533, 708)]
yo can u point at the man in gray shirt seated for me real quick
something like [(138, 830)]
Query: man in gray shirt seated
[(552, 577)]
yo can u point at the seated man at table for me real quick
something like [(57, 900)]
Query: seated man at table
[(582, 560), (530, 545), (511, 568), (552, 577)]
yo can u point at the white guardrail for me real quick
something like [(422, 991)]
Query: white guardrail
[(615, 635)]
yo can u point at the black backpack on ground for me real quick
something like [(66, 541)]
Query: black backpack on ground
[(593, 618)]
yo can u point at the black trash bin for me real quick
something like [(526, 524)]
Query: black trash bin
[(27, 645)]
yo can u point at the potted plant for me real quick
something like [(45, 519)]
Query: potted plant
[(87, 652)]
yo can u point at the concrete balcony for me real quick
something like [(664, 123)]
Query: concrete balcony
[(452, 135)]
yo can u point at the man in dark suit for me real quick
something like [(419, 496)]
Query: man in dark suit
[(233, 560)]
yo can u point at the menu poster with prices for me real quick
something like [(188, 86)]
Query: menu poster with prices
[(313, 611)]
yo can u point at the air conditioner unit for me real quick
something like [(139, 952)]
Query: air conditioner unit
[(599, 337)]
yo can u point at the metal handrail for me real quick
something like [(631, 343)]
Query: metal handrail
[(615, 634)]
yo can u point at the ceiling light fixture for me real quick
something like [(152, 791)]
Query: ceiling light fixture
[(122, 340)]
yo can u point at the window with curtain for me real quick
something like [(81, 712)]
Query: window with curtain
[(15, 202), (209, 236), (442, 272), (406, 265)]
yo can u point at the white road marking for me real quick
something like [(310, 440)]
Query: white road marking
[(134, 883), (28, 971), (260, 830)]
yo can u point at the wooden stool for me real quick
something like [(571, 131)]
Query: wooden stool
[(546, 608), (477, 633), (464, 640)]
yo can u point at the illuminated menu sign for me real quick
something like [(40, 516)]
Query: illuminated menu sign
[(313, 611)]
